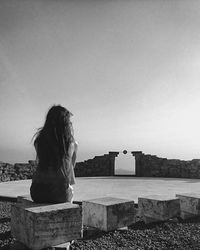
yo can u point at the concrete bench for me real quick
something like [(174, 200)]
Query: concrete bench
[(158, 208), (45, 225), (20, 246), (189, 204), (108, 213)]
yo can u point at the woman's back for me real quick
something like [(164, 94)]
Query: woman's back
[(55, 155)]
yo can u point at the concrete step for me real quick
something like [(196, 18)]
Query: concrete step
[(189, 205), (154, 208), (45, 225), (108, 213)]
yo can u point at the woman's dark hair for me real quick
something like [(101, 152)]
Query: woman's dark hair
[(52, 141)]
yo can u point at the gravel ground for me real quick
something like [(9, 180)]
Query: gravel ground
[(5, 236), (169, 235)]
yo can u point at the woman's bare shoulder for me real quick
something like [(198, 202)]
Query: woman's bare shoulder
[(73, 147), (75, 144)]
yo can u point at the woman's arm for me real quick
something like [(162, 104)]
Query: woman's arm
[(71, 162), (36, 149), (74, 153)]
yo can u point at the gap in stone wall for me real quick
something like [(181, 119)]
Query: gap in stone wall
[(125, 164)]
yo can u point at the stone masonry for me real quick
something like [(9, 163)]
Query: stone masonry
[(146, 165), (98, 166), (153, 166)]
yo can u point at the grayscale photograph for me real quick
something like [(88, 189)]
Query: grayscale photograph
[(100, 125)]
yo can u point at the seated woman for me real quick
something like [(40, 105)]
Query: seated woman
[(56, 152)]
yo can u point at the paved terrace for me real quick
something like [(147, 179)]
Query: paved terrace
[(121, 187)]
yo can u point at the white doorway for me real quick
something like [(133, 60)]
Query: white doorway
[(125, 164)]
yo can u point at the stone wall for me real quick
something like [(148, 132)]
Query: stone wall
[(18, 171), (98, 166), (145, 166), (152, 166)]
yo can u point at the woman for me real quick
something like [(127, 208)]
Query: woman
[(56, 158)]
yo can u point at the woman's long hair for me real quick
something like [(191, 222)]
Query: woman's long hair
[(52, 141)]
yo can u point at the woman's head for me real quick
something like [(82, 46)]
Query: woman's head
[(53, 139), (58, 118)]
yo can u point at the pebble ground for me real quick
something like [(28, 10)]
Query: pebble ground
[(175, 234)]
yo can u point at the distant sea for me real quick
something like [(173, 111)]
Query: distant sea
[(125, 164)]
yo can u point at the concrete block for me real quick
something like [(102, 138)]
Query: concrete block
[(189, 204), (186, 215), (20, 246), (158, 208), (139, 217), (26, 201), (108, 213), (64, 246), (46, 225)]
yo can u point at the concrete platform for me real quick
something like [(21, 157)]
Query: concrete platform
[(87, 188)]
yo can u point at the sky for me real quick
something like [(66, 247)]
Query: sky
[(129, 71)]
